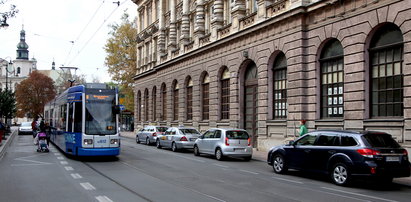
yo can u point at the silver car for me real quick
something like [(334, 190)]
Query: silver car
[(25, 128), (178, 138), (224, 142), (149, 134)]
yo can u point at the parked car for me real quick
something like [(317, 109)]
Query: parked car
[(25, 128), (149, 134), (343, 155), (224, 143), (178, 138)]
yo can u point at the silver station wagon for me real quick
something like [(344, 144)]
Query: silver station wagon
[(178, 138), (149, 134), (224, 143)]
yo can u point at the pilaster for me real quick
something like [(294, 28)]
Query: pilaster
[(173, 31), (200, 21), (217, 19), (237, 13), (185, 23)]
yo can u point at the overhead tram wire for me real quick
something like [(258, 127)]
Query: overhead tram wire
[(92, 36), (82, 31)]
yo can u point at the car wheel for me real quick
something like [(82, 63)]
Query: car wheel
[(158, 145), (137, 140), (279, 164), (340, 174), (196, 151), (147, 141), (219, 154), (174, 147)]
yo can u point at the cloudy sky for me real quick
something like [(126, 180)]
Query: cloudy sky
[(72, 32)]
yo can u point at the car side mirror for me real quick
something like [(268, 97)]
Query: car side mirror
[(116, 109), (201, 137), (291, 143)]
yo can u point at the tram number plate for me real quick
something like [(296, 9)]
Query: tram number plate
[(392, 158)]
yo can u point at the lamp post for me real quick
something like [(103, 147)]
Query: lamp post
[(3, 22)]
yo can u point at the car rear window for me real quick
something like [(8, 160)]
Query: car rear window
[(237, 135), (24, 124), (189, 131), (381, 140), (161, 129)]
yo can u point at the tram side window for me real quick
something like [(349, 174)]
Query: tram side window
[(63, 112), (70, 118), (51, 118), (78, 114)]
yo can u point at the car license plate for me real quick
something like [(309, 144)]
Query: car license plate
[(193, 139), (392, 158), (239, 149)]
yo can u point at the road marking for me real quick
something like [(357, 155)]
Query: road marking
[(223, 166), (293, 181), (68, 168), (76, 176), (246, 171), (87, 186), (57, 154), (193, 159), (30, 162), (63, 162), (103, 199), (60, 158), (357, 194)]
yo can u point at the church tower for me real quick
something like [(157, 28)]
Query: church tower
[(22, 47)]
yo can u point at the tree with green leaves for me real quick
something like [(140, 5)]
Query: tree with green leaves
[(121, 57), (7, 104)]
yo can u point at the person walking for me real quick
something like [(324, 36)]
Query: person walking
[(34, 127), (303, 129)]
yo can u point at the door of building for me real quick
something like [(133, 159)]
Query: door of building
[(250, 103)]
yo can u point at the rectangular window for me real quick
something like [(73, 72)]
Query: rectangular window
[(164, 100), (154, 105), (225, 99), (175, 99), (146, 107), (332, 85), (206, 101), (387, 82), (190, 103), (280, 93)]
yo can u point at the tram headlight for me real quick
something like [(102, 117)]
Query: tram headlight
[(114, 141), (88, 141)]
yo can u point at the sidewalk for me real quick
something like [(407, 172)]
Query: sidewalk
[(5, 143), (262, 156)]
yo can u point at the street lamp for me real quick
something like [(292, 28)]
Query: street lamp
[(8, 65), (3, 22)]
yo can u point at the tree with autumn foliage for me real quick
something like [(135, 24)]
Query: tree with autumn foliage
[(121, 57), (33, 93)]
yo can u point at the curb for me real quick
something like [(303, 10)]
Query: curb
[(6, 143)]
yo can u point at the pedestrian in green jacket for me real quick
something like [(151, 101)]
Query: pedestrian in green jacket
[(303, 129)]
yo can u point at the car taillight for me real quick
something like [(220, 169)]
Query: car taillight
[(405, 152), (370, 153), (373, 170), (154, 134), (226, 142), (183, 138), (249, 141)]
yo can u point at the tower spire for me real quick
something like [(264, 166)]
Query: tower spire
[(22, 47)]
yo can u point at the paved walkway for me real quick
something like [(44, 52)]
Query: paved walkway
[(262, 156)]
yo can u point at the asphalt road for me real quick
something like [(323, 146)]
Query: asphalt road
[(145, 173)]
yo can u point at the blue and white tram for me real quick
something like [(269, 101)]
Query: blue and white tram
[(84, 120)]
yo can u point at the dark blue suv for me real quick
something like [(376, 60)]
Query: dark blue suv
[(343, 155)]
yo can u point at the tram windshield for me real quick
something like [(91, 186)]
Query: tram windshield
[(100, 116)]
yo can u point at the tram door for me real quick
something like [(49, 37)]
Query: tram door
[(250, 105)]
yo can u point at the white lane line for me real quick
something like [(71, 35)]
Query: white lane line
[(60, 158), (103, 199), (193, 159), (357, 194), (287, 180), (68, 168), (76, 176), (63, 162), (219, 165), (57, 154), (87, 186), (246, 171)]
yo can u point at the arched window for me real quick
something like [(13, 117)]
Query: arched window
[(332, 80), (386, 57), (139, 106), (18, 70), (153, 105), (280, 87), (189, 96), (164, 102), (175, 100), (225, 94), (205, 87), (146, 105)]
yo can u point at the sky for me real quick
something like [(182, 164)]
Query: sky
[(70, 32)]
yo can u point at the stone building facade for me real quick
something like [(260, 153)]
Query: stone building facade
[(263, 65)]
